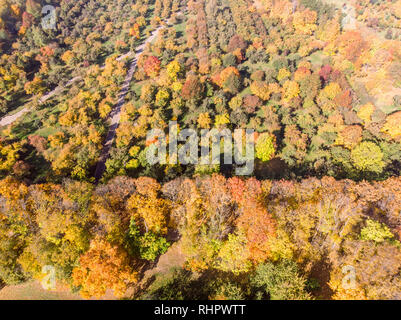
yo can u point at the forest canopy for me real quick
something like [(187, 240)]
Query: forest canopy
[(318, 84)]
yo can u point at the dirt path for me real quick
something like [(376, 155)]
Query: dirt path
[(11, 118), (5, 121), (172, 259), (115, 114)]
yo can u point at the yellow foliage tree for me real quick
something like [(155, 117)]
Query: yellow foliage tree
[(305, 21), (393, 125), (290, 90), (261, 89), (204, 120), (148, 209), (283, 74), (9, 154), (365, 112)]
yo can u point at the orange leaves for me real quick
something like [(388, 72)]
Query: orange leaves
[(350, 136), (149, 142), (258, 227), (68, 56), (204, 120), (134, 31), (344, 99), (47, 51), (192, 88), (246, 193), (255, 222), (351, 45), (301, 73), (227, 72), (27, 20), (120, 44), (103, 267), (147, 186), (152, 66), (223, 216), (16, 10), (396, 9), (12, 190), (236, 42), (222, 77), (36, 86), (393, 125), (239, 55)]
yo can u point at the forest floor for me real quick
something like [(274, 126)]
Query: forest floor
[(33, 290), (172, 259), (13, 117)]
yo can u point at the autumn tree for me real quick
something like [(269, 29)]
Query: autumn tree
[(193, 88), (104, 266), (280, 281), (265, 148), (152, 66), (148, 209), (367, 156)]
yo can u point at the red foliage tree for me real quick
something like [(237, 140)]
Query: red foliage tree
[(236, 42), (251, 102), (325, 71), (192, 88), (152, 66), (38, 142)]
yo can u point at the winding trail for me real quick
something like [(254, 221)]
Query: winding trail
[(11, 118), (5, 121), (115, 115)]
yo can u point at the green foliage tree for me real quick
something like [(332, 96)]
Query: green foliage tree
[(280, 281), (147, 246)]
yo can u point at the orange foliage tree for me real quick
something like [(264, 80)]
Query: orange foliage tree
[(103, 267)]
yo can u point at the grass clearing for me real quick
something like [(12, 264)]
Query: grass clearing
[(34, 291)]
